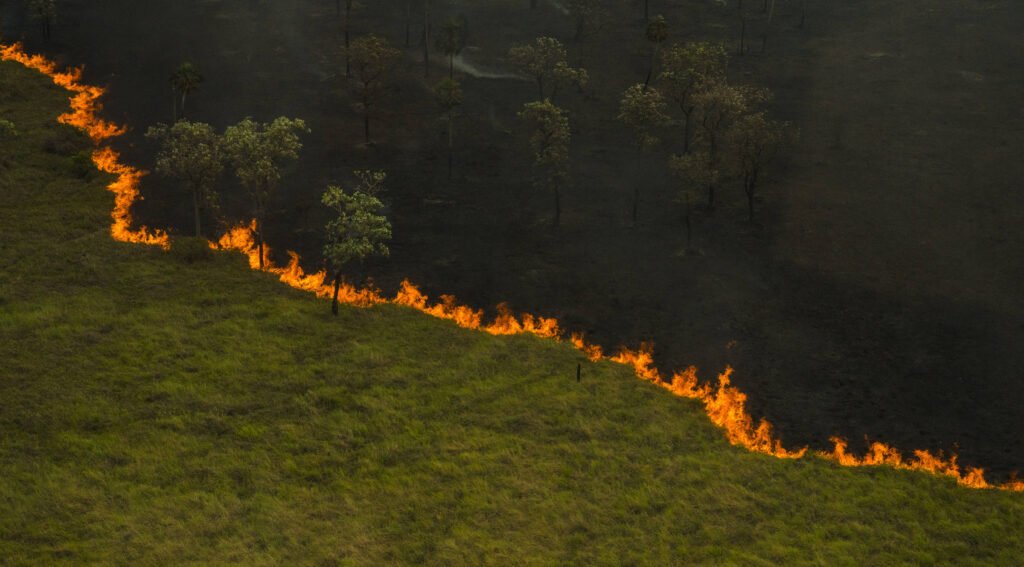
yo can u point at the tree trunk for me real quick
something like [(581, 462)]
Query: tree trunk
[(686, 131), (348, 61), (334, 296), (650, 68), (540, 87), (426, 38), (743, 35), (184, 97), (174, 102), (195, 210), (558, 205), (750, 185), (408, 22), (689, 224), (259, 238), (636, 202), (451, 145), (366, 126)]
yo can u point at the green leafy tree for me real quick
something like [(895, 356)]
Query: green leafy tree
[(753, 142), (448, 94), (45, 12), (545, 62), (642, 108), (372, 59), (687, 69), (192, 153), (452, 40), (656, 34), (184, 81), (258, 152), (718, 104), (360, 229), (549, 137)]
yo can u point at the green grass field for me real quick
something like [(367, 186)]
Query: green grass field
[(161, 409)]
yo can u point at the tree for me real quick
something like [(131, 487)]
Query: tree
[(426, 38), (258, 152), (452, 40), (184, 81), (589, 16), (359, 231), (686, 70), (45, 11), (754, 141), (549, 138), (544, 60), (642, 109), (656, 33), (718, 104), (191, 152), (350, 5), (693, 171), (448, 94), (372, 59)]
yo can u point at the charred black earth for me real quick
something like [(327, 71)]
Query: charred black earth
[(879, 293)]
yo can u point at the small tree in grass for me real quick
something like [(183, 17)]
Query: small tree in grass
[(448, 94), (549, 137), (372, 58), (753, 142), (642, 109), (258, 152), (360, 229), (192, 153)]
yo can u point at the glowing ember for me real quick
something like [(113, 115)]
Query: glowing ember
[(725, 404)]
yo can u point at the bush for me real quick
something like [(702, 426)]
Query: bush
[(190, 249), (81, 165)]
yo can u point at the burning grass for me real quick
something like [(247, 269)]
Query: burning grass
[(157, 411)]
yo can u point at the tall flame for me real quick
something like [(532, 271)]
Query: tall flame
[(724, 404)]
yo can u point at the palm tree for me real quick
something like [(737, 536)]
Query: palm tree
[(185, 80)]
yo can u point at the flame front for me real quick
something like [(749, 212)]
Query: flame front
[(725, 404), (84, 115)]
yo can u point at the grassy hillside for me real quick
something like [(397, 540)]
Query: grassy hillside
[(157, 408)]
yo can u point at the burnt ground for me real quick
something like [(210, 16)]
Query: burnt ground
[(878, 295)]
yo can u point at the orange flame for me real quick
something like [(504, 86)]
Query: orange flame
[(882, 454), (724, 405), (84, 115)]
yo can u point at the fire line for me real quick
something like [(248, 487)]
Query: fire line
[(724, 404)]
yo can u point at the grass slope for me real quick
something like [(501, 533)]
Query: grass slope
[(156, 410)]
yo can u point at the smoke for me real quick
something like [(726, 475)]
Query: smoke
[(474, 70)]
